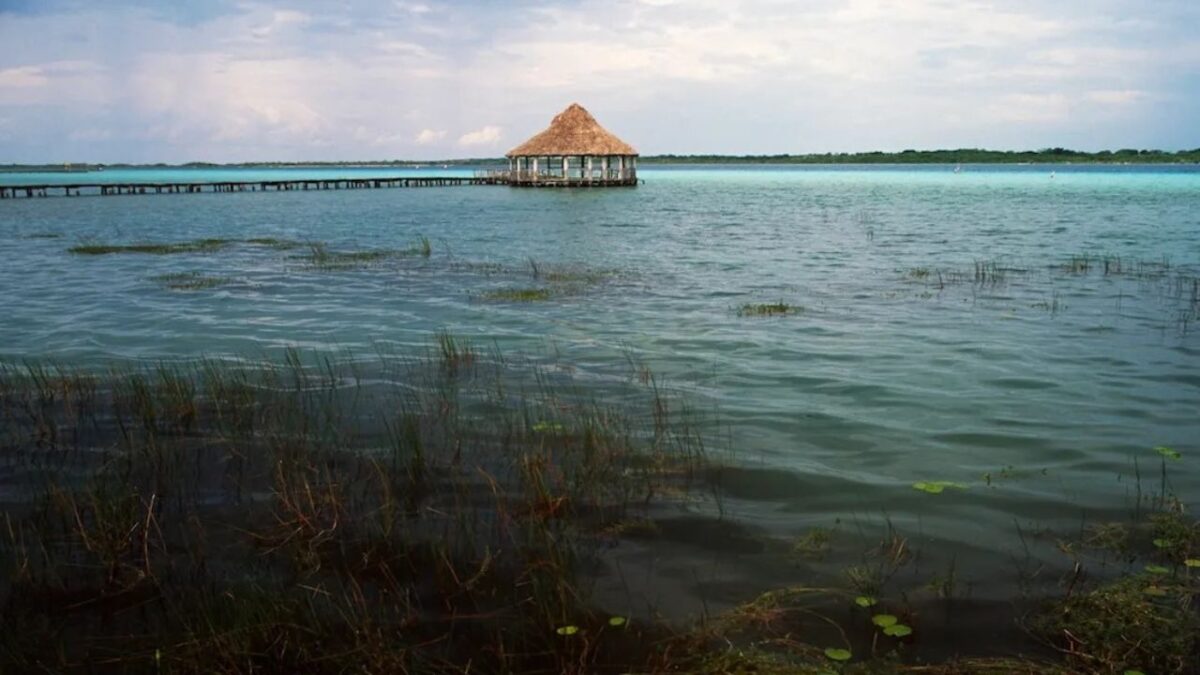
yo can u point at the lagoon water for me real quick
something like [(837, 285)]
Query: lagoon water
[(899, 365)]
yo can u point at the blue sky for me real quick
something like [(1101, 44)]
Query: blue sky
[(234, 80)]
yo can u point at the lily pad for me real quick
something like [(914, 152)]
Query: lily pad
[(884, 620), (836, 654), (1162, 543), (1157, 569), (865, 601), (567, 630), (1169, 453), (897, 630), (1156, 591), (937, 487), (617, 621), (1192, 562)]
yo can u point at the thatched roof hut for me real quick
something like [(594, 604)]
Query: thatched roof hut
[(574, 132), (573, 150)]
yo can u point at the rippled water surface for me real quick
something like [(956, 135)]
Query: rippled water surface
[(942, 329)]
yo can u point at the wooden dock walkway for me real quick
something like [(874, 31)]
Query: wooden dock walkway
[(106, 189)]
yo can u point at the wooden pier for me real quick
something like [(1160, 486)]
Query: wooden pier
[(107, 189)]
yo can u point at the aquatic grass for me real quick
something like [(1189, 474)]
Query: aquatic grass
[(196, 246), (814, 545), (519, 295), (209, 245), (276, 243), (767, 309), (189, 281), (465, 509), (214, 516), (321, 256), (42, 235), (456, 353), (1121, 626)]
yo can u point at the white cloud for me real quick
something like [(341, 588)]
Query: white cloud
[(486, 136), (1116, 96), (24, 76), (413, 7), (667, 75), (428, 136)]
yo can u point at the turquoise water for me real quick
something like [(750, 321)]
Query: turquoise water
[(1049, 378)]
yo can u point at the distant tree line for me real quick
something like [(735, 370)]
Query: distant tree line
[(960, 156)]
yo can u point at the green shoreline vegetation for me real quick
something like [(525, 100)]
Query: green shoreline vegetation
[(946, 156), (450, 514)]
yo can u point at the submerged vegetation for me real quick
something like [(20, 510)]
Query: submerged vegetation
[(519, 295), (767, 309), (194, 246), (228, 518), (320, 256), (453, 514), (189, 281)]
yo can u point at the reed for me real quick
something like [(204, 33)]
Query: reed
[(448, 513)]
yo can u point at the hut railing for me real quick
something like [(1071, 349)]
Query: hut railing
[(528, 176)]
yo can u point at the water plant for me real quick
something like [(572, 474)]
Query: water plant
[(195, 246), (937, 487), (1168, 453), (209, 245), (814, 544), (1120, 626), (189, 281), (838, 654), (393, 519), (519, 295), (767, 309)]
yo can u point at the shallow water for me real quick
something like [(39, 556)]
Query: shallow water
[(1053, 381)]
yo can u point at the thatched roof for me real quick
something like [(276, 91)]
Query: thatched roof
[(573, 132)]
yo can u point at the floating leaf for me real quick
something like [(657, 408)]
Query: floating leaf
[(567, 630), (937, 487), (1133, 672), (1162, 543), (1192, 562), (1155, 591), (1157, 569), (1169, 453), (884, 620), (897, 630), (836, 654), (864, 601), (617, 621)]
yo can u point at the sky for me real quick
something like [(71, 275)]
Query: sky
[(247, 80)]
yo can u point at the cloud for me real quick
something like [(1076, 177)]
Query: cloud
[(1117, 97), (413, 7), (251, 79), (428, 136), (25, 76), (486, 136)]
